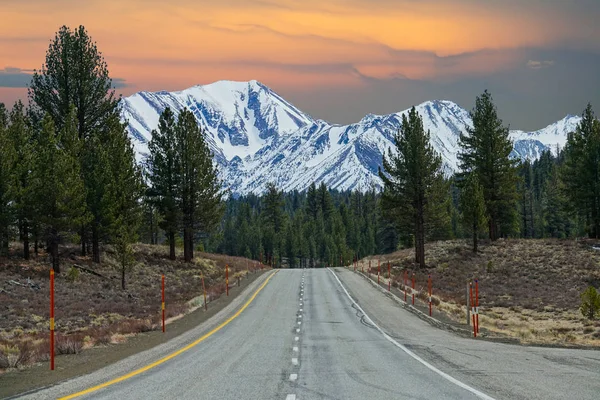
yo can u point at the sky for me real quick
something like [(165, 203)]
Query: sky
[(337, 60)]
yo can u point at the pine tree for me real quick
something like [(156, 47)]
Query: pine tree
[(7, 155), (413, 181), (581, 172), (164, 174), (200, 188), (75, 73), (56, 183), (472, 207), (124, 192), (21, 136), (486, 151)]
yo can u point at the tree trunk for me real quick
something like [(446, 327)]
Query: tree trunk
[(123, 278), (36, 246), (4, 244), (25, 241), (475, 230), (54, 250), (186, 245), (171, 245), (82, 241), (191, 245), (95, 243)]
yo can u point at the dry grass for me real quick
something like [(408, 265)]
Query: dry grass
[(91, 310), (529, 289)]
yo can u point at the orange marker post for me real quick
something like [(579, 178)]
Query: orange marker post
[(429, 285), (477, 304), (405, 283), (52, 319), (413, 289), (389, 277), (378, 271), (204, 291), (472, 308), (163, 301), (227, 279)]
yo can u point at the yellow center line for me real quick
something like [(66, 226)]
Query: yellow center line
[(172, 355)]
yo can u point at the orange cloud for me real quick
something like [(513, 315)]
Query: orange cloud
[(301, 44)]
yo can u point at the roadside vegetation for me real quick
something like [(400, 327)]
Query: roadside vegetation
[(530, 289), (91, 307)]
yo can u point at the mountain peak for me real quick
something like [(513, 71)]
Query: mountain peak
[(258, 137)]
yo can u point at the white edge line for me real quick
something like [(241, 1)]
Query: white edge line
[(410, 353), (290, 397)]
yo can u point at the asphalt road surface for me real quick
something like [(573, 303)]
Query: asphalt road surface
[(329, 334)]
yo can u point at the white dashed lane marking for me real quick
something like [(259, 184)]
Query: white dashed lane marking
[(293, 377), (294, 361)]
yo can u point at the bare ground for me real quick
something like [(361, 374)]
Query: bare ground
[(529, 289)]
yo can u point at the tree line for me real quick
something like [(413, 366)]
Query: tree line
[(494, 195), (68, 171)]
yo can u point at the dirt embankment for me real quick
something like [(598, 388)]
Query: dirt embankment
[(529, 288)]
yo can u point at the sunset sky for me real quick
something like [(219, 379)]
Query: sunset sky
[(337, 60)]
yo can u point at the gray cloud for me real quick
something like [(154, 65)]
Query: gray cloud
[(527, 99), (13, 77), (539, 64)]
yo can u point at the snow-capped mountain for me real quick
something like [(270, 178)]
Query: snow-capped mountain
[(258, 137)]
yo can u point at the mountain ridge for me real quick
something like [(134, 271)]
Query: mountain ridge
[(258, 137)]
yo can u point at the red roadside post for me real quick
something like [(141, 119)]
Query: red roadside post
[(204, 291), (405, 283), (52, 319), (227, 279), (355, 258), (429, 284), (163, 300), (472, 308), (389, 277), (378, 270), (413, 289), (477, 304), (369, 271)]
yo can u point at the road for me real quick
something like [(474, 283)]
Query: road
[(320, 334)]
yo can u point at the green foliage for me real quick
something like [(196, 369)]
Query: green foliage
[(73, 274), (56, 186), (486, 151), (7, 155), (472, 207), (590, 303), (581, 171), (415, 194)]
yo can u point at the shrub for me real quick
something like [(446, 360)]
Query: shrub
[(73, 274), (68, 344), (590, 303)]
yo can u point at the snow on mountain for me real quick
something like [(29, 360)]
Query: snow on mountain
[(258, 137), (240, 118)]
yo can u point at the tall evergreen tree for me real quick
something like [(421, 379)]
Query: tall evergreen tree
[(56, 183), (200, 187), (124, 191), (472, 206), (75, 73), (21, 137), (164, 174), (581, 173), (413, 181), (7, 155), (486, 151)]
